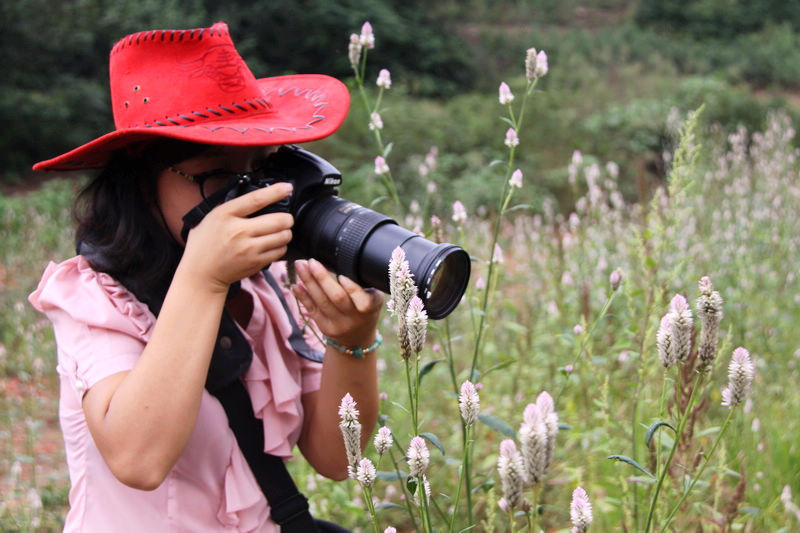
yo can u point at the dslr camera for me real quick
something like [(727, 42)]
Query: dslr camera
[(347, 238)]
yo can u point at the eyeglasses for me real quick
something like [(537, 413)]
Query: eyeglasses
[(214, 180)]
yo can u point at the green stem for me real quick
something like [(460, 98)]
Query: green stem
[(367, 493), (416, 394), (585, 340), (535, 506), (678, 434), (423, 501), (461, 477), (411, 399), (699, 473), (406, 495)]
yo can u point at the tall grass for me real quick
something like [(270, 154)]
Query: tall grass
[(730, 211)]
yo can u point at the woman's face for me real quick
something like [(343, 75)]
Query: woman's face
[(178, 194)]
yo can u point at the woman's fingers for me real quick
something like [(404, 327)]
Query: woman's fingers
[(253, 201), (365, 300), (327, 294)]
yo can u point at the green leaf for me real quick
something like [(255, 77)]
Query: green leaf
[(434, 440), (400, 406), (411, 485), (652, 430), (387, 150), (387, 505), (496, 162), (563, 426), (500, 366), (468, 528), (378, 200), (508, 121), (391, 476), (707, 431), (427, 367), (498, 425), (626, 459), (514, 327), (520, 207)]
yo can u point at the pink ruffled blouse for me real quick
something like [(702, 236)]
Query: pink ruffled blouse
[(101, 329)]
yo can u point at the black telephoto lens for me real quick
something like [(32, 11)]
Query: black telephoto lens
[(358, 242)]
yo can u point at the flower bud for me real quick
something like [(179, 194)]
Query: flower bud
[(384, 80)]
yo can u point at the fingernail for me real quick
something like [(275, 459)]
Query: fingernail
[(288, 187)]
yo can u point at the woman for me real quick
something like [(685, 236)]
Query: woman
[(148, 324)]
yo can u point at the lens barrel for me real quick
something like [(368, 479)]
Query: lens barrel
[(358, 242)]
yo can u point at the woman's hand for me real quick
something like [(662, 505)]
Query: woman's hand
[(227, 246), (342, 309)]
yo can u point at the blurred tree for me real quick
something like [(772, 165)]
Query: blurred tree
[(285, 36), (709, 19), (54, 92)]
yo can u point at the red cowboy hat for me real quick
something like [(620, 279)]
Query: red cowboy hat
[(193, 85)]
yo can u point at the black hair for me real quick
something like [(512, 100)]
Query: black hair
[(120, 228)]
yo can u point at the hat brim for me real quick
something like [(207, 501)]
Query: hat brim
[(304, 107)]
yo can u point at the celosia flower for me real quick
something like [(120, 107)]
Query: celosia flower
[(506, 97), (351, 431), (740, 378), (383, 440), (367, 37), (511, 138), (615, 279), (375, 122), (402, 290), (469, 403), (459, 212), (577, 330), (416, 325), (580, 511), (541, 65), (681, 327), (418, 457), (384, 80), (788, 504), (512, 473), (347, 409), (480, 284), (354, 50), (530, 64), (516, 179), (365, 473), (497, 255), (381, 167), (537, 435), (664, 341), (709, 309), (390, 529)]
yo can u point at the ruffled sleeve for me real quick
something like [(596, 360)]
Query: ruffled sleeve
[(278, 376), (100, 327)]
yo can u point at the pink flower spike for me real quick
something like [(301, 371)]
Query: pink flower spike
[(506, 97), (580, 510), (516, 179), (541, 65), (497, 255), (367, 37), (384, 80), (459, 212), (381, 167), (511, 138)]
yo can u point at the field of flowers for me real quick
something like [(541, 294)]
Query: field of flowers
[(619, 366)]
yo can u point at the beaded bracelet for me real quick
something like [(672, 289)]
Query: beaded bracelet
[(358, 353)]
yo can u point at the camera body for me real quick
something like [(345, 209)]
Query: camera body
[(348, 238)]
